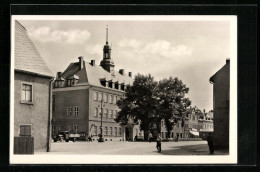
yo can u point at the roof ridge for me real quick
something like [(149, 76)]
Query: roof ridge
[(21, 25)]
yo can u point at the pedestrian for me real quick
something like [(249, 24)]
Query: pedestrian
[(89, 138), (150, 136), (159, 143), (177, 138), (135, 138), (210, 140)]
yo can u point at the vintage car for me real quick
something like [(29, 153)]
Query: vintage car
[(67, 136)]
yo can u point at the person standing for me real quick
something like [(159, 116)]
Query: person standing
[(210, 140), (150, 136), (159, 143)]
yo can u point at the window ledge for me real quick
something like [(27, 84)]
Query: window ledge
[(25, 102)]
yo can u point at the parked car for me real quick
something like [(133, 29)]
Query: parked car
[(67, 136)]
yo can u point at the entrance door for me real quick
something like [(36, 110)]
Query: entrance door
[(126, 133)]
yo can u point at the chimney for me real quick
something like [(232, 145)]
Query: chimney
[(80, 62), (122, 71), (130, 74), (92, 62), (227, 60), (58, 75)]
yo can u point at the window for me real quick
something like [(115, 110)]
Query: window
[(193, 118), (76, 111), (122, 87), (26, 93), (106, 113), (116, 113), (59, 127), (95, 112), (99, 130), (105, 98), (110, 131), (95, 96), (115, 131), (99, 112), (25, 130), (105, 131), (95, 130), (110, 98), (100, 96), (76, 127), (53, 102), (69, 111), (120, 131), (111, 114), (115, 99)]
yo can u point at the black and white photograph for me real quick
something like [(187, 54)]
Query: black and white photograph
[(123, 89)]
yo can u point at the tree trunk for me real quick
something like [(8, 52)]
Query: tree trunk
[(146, 133)]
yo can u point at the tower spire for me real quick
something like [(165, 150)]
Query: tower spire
[(107, 36)]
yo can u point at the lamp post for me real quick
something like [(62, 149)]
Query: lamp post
[(101, 139)]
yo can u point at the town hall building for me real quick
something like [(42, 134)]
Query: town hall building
[(84, 92)]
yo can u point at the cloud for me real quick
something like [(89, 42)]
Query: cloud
[(166, 49), (133, 43), (94, 49), (159, 48), (46, 34)]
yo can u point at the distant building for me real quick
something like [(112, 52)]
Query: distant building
[(32, 93), (177, 130), (206, 124), (186, 127), (78, 93), (191, 124), (221, 87)]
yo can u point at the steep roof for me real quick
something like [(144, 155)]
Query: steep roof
[(27, 57), (212, 78), (94, 74)]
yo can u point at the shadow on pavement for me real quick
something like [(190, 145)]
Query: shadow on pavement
[(190, 150)]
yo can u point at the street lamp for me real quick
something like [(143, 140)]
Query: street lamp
[(101, 139)]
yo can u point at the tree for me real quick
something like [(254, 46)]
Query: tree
[(151, 102), (139, 103), (172, 101)]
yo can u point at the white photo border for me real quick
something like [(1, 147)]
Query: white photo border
[(135, 159)]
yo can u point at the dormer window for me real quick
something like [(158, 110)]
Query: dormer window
[(59, 82), (122, 87), (103, 82), (116, 85), (110, 84), (73, 80)]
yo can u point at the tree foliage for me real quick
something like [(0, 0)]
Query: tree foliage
[(150, 102)]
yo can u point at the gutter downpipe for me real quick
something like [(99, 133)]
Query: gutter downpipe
[(49, 116)]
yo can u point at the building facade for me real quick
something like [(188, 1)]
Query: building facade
[(86, 91), (191, 123), (221, 86), (32, 93), (206, 125), (177, 131)]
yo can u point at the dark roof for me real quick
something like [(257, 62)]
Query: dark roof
[(189, 110), (212, 78), (26, 57)]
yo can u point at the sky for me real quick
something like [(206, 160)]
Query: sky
[(193, 51)]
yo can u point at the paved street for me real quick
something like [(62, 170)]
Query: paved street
[(130, 148)]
